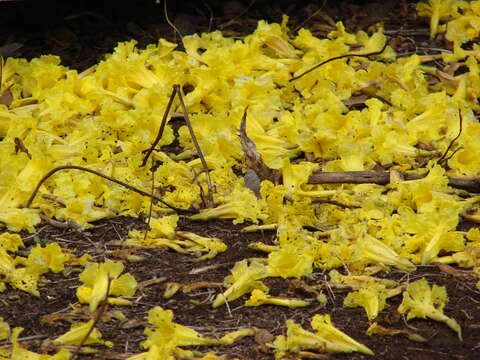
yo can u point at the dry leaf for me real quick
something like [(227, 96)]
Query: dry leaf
[(447, 79), (7, 97)]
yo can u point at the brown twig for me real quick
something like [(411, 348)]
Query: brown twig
[(471, 184), (209, 203), (96, 319), (339, 57), (443, 157), (150, 208), (130, 187), (333, 202), (68, 224), (162, 128)]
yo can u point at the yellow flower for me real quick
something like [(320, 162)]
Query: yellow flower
[(78, 332), (4, 329), (19, 219), (96, 278), (437, 10), (326, 339), (50, 257), (370, 249), (10, 242), (258, 298), (244, 279), (422, 301), (463, 29), (372, 297), (169, 335), (20, 353), (289, 261)]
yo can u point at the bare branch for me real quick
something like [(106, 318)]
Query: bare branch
[(95, 321), (471, 184), (340, 57), (197, 147), (129, 187), (443, 157), (162, 127)]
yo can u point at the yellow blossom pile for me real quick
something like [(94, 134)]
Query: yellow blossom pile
[(105, 117)]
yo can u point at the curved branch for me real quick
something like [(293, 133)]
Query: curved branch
[(129, 187)]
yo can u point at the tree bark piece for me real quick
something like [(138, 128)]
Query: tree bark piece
[(471, 184)]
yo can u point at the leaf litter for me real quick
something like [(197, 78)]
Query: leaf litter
[(106, 117)]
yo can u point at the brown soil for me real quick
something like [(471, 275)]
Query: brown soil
[(81, 34)]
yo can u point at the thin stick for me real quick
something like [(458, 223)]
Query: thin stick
[(153, 169), (471, 184), (442, 158), (162, 128), (209, 204), (130, 187), (340, 57), (98, 315)]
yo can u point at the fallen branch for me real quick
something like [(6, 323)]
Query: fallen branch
[(95, 321), (209, 202), (444, 158), (255, 162), (129, 187), (177, 91), (471, 184), (160, 131), (340, 57)]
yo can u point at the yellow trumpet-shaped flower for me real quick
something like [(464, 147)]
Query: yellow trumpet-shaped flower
[(77, 334), (244, 279), (326, 339), (96, 278), (258, 298), (422, 301)]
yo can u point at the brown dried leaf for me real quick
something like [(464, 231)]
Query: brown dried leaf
[(19, 145), (7, 97), (253, 158), (151, 282), (379, 329), (447, 80), (125, 254), (208, 268), (200, 285), (131, 324), (450, 270), (355, 100), (263, 336), (452, 67)]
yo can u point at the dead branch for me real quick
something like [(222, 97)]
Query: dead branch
[(129, 187), (471, 184), (443, 158), (68, 224), (162, 128), (96, 319), (253, 158), (340, 57), (209, 201)]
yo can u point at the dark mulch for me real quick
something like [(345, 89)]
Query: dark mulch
[(194, 309), (81, 33)]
